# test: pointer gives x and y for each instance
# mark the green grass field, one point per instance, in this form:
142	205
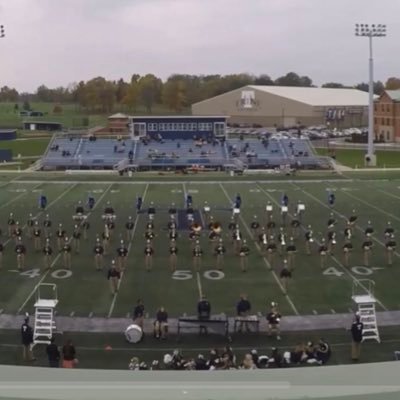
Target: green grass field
354	158
84	291
26	147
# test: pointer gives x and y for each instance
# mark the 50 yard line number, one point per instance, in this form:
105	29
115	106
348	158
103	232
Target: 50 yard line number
184	275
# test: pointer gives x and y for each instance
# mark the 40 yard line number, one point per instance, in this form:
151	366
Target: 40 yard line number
57	274
358	270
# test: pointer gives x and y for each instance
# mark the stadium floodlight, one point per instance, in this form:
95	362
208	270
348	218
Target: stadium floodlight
2	32
371	31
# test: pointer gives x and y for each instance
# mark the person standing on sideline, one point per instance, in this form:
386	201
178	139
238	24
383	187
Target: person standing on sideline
27	340
138	313
243	309
53	354
203	312
69	355
356	335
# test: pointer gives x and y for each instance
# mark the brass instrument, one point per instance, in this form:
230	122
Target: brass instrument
195	227
216	228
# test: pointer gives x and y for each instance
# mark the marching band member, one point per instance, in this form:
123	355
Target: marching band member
295	224
271	225
47	254
30	223
353	220
284	213
369	230
66	249
323	252
113	277
263	239
291	251
17	232
331	241
47	226
255	227
20	251
269	208
122	256
347	232
11	225
151	211
301	208
331	221
206	210
285	276
148	256
129	229
281	240
173	255
237	239
367	249
347	249
106	239
37	236
389	231
76	235
390	249
331	199
220	252
172	210
309	239
271	250
197	255
98	251
60	233
244	253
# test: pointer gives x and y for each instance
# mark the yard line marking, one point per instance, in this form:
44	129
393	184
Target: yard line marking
72	313
59	254
19	196
199	284
91	314
314	312
351	310
353	278
344	217
388	193
333	311
41	212
114	300
269	267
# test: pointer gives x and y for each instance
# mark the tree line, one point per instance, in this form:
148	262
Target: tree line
176	93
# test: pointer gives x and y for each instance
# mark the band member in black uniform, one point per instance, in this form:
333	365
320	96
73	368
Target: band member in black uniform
47	254
148	255
331	241
66	250
291	251
271	251
85	228
309	239
389	231
17	232
197	256
37	233
30	223
220	251
263	239
331	221
353	220
60	233
76	237
122	256
271	225
255	227
111	227
244	254
172	223
113	277
281	240
237	239
390	249
369	230
285	276
151	211
11	224
173	235
232	224
106	239
129	229
98	251
47	226
295	224
173	255
367	249
20	251
347	249
172	210
323	253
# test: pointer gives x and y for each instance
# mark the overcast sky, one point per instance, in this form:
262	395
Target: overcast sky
57	42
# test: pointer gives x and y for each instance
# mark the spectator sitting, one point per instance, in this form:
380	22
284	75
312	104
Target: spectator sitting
201	363
248	362
276	358
69	355
323	352
53	354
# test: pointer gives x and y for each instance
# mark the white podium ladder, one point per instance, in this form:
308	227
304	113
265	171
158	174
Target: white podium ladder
45	324
363	297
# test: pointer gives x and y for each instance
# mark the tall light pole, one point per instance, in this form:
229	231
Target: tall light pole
371	31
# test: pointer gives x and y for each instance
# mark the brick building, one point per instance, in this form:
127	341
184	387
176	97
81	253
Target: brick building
118	123
387	116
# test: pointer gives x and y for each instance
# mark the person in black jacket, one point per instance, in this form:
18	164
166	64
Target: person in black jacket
357	335
53	354
27	340
138	313
203	312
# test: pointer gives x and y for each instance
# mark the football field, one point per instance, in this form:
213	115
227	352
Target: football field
83	291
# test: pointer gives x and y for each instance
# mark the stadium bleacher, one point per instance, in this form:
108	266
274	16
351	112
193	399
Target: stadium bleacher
111	153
